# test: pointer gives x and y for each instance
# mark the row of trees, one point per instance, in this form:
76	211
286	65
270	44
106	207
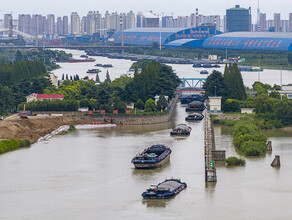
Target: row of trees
155	79
13	73
230	85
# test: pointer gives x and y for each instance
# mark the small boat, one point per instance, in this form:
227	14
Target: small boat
216	66
152	157
84	56
165	190
93	71
181	129
195	106
195	117
204	72
107	65
98	64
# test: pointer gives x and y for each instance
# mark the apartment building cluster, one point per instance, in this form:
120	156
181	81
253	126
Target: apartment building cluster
108	23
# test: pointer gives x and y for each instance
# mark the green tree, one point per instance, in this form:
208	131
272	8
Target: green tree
97	78
215	83
107	77
150	106
140	104
162	102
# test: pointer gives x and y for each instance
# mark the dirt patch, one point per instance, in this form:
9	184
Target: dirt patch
34	128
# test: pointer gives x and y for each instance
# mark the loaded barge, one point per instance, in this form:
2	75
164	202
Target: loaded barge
165	190
152	157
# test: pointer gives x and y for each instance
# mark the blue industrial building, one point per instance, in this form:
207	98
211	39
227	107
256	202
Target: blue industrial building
276	41
146	36
205	37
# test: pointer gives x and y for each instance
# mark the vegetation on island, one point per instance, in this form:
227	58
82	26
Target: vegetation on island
248	138
10	145
234	161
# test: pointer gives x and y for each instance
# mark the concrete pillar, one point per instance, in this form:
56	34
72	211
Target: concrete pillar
276	161
269	146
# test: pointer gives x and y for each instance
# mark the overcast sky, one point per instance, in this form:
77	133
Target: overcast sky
178	7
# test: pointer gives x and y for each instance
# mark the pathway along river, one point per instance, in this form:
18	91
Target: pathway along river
87	174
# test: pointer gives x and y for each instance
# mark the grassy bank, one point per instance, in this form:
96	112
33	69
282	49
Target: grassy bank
10	145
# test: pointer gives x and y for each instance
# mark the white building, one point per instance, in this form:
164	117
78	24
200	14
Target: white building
215	104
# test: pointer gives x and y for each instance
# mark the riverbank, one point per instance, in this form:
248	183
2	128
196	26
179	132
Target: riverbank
36	127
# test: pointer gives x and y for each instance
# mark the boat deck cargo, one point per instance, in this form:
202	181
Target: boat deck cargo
195	106
165	190
152	157
250	68
195	117
181	129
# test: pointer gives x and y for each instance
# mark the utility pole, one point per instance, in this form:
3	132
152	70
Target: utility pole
281	81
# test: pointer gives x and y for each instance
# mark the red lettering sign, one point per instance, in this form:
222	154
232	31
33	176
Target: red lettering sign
102	112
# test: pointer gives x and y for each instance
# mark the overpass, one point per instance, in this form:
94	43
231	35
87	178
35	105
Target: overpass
16	32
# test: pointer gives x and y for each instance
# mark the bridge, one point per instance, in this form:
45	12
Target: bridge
16	32
192	82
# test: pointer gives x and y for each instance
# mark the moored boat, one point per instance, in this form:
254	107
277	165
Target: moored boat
181	129
152	157
107	65
195	117
165	190
195	106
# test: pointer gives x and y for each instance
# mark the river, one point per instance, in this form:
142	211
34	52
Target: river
87	174
269	76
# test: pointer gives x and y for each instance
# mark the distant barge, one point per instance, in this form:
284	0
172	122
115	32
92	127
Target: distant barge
152	157
165	190
72	60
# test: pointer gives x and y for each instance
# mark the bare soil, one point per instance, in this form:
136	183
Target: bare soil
35	127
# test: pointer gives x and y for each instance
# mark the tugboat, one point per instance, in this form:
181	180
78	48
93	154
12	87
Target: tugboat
195	117
152	157
165	190
195	106
181	129
93	71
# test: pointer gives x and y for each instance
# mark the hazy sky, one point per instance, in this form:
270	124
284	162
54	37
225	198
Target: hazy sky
178	7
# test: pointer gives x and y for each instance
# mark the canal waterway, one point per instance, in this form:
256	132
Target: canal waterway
87	174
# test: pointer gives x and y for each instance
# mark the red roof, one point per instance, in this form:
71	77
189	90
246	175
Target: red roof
49	96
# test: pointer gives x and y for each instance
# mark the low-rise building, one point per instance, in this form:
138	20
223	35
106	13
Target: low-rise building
287	90
40	97
246	110
215	104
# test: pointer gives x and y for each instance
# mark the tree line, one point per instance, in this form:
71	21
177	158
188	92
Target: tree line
155	79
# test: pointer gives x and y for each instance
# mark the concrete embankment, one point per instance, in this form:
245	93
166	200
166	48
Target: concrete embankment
36	127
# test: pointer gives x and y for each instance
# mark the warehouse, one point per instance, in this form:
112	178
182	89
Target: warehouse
147	36
276	41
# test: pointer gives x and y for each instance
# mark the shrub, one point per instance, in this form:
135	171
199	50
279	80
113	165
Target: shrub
234	161
248	138
9	145
71	127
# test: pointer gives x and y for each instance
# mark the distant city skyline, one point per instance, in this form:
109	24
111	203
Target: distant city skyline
177	8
